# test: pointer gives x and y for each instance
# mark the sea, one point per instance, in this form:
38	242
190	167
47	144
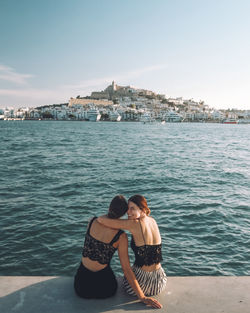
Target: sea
56	175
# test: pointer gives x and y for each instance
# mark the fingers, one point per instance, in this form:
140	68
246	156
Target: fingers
157	304
153	302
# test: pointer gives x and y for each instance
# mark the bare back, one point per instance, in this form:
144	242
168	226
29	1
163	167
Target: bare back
146	232
103	234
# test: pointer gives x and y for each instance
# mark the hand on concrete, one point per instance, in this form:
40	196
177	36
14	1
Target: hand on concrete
152	302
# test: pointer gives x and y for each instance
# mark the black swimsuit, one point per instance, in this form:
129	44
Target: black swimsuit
97	250
146	254
100	284
151	282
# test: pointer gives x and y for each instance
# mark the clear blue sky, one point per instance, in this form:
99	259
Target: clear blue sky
51	50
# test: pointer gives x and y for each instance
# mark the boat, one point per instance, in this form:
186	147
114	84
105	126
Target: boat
230	121
93	115
114	116
173	117
244	121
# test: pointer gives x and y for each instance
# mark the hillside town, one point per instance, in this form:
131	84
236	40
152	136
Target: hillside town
125	103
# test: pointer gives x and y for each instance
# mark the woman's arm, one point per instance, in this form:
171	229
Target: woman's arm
117	223
129	274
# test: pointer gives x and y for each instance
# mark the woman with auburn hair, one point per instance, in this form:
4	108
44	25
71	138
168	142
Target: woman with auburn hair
94	277
146	245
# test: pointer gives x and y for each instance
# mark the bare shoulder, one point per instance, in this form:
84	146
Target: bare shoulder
135	226
151	218
152	221
152	225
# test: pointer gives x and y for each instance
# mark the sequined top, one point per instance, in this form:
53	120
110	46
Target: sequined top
97	250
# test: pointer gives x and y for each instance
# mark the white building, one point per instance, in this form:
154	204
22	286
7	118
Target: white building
217	115
34	113
9	113
176	101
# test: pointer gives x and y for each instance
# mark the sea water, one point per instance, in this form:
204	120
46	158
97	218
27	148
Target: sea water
54	176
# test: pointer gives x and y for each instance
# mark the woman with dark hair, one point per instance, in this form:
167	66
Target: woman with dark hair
94	277
146	245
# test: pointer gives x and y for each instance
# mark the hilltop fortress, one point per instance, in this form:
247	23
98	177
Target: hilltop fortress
113	93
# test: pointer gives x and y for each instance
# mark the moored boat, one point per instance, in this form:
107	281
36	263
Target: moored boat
244	121
114	116
230	121
93	115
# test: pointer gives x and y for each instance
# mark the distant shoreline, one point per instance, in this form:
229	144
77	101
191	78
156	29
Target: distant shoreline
124	121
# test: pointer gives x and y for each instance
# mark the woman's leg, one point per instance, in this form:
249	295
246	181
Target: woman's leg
151	283
107	283
97	285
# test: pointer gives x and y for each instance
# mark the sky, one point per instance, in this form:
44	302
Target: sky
51	50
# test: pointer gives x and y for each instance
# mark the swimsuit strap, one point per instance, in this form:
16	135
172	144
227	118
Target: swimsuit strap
90	224
116	237
142	233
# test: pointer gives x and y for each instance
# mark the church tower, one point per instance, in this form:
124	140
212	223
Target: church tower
113	86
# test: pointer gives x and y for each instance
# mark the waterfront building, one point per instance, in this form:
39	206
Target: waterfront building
189	116
9	113
34	114
201	116
217	115
147	117
61	114
22	113
161	115
172	116
130	114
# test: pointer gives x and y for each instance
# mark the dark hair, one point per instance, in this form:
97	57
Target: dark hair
118	207
141	202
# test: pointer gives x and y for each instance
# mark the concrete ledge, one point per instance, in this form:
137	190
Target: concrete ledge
183	295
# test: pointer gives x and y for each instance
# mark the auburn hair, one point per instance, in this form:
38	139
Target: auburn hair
141	202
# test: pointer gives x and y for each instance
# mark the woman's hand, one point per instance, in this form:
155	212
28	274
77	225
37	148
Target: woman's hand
152	302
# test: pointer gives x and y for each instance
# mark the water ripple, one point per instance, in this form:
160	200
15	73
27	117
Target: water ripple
194	176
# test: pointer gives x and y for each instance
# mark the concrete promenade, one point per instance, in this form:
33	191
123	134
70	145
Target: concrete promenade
200	294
